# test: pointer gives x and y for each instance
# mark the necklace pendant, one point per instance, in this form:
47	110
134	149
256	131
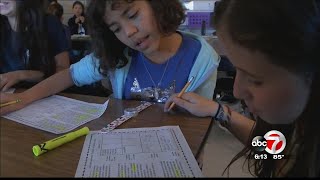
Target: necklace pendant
156	93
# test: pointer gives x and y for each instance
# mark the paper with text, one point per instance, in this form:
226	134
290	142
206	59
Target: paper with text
57	114
137	152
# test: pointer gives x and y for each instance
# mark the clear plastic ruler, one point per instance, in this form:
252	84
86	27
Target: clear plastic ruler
114	124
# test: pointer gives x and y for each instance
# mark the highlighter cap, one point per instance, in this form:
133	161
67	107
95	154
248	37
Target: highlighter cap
36	150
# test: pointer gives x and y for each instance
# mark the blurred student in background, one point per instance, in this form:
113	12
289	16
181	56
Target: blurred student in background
47	3
77	23
33	45
56	9
78	26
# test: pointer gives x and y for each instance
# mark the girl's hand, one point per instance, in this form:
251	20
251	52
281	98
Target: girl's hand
77	20
6	97
195	104
82	19
9	79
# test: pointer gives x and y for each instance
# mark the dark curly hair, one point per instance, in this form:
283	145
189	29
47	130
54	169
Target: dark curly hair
168	14
287	31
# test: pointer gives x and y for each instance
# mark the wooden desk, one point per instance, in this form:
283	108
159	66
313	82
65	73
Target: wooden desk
17	140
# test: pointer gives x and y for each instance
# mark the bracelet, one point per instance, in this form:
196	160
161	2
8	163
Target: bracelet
223	117
219	108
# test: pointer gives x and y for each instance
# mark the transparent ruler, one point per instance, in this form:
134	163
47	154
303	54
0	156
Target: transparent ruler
129	113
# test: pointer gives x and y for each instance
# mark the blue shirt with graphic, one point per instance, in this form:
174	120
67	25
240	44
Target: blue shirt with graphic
169	77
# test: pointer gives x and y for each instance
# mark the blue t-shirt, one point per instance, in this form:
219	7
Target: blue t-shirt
144	77
10	59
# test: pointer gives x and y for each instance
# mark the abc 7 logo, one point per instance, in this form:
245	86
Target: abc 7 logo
273	142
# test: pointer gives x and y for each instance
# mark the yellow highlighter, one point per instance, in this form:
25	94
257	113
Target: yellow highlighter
56	142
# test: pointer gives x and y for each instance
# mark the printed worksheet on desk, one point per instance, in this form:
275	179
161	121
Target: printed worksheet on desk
137	152
57	114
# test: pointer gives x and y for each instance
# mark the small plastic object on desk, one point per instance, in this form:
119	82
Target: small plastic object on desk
132	112
56	142
128	113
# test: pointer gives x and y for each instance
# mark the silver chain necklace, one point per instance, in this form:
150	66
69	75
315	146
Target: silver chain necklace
156	89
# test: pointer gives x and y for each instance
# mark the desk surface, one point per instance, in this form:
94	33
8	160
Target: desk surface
16	141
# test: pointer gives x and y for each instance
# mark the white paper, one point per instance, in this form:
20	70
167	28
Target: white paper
10	90
58	114
137	152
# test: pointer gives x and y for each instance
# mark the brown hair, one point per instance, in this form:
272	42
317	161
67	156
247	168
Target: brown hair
287	31
169	15
55	9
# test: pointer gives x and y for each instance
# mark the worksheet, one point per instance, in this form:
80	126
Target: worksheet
57	114
137	152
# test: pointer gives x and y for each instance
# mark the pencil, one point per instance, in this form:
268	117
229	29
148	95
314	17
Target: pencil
9	103
182	91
